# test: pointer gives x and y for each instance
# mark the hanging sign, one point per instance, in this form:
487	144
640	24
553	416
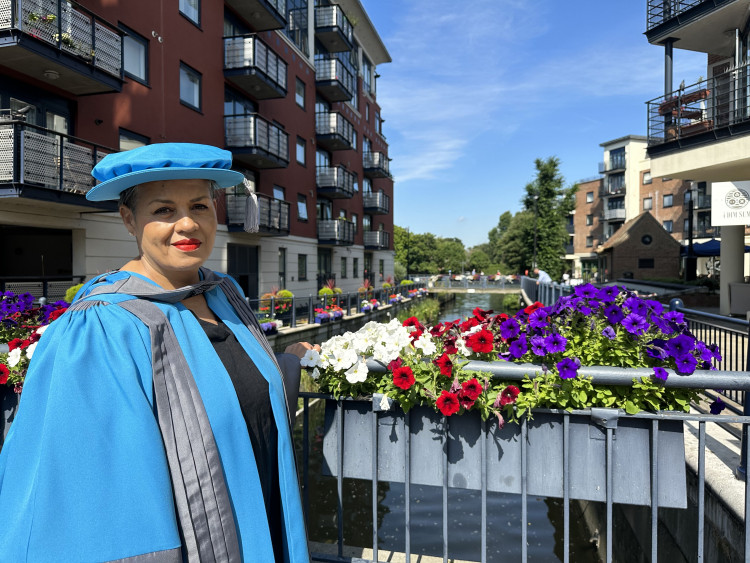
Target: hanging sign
730	203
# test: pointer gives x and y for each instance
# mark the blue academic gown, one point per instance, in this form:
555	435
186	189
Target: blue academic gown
83	471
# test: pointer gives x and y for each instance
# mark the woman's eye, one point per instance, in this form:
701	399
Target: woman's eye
200	206
162	211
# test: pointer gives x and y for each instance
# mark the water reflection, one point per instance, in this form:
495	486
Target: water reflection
465	303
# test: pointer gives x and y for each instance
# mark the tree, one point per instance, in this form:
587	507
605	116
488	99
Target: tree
478	260
496	234
451	255
425	253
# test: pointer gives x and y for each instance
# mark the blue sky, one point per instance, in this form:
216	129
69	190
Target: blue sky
478	89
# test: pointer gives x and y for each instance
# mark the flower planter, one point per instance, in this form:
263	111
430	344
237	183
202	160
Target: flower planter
8	406
544	453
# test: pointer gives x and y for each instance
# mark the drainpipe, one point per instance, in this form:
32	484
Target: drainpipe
668	71
732	262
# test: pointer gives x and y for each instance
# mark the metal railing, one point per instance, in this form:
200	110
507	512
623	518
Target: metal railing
705	106
336	177
472	282
617	163
705	231
376	160
376	202
251	130
333	16
68	26
248	51
377	239
273	214
608	189
34	155
333	123
335	231
701	201
332	69
660	11
660	473
613	214
51	288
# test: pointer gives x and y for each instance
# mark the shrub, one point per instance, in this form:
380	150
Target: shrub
406	282
71	292
386	285
325	291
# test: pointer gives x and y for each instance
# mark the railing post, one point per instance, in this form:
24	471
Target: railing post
741	472
675	304
311	310
293	323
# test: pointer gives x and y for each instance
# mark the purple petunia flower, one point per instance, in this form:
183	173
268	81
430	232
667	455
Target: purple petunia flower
656	349
715	349
538	346
717	406
539	318
674	317
608	294
518	347
635	324
704	352
609	332
655	307
555	342
680	345
662	324
583	308
586	290
567	368
686	364
509	328
661	373
614	314
636	306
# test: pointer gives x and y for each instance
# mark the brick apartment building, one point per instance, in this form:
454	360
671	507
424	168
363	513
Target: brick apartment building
288	86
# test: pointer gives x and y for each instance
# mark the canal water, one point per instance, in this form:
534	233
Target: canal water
544	525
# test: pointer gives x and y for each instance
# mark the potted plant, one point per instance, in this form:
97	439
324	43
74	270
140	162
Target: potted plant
425	371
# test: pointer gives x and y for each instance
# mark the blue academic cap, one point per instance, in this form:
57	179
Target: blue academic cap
161	161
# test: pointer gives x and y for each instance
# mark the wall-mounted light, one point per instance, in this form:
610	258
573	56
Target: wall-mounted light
50	74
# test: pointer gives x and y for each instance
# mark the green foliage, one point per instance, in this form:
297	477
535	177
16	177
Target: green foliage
427	310
478	260
406	282
325	291
338	290
386	285
511	302
71	292
426	253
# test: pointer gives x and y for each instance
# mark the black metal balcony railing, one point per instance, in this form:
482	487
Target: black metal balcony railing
704	231
273	214
612	189
720	102
253	66
376	203
701	201
256	142
660	11
380	240
333	29
335	232
334	131
333	79
263	14
614	163
77	40
35	156
617	214
334	181
569	248
375	165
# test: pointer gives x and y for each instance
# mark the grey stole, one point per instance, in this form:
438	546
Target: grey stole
201	498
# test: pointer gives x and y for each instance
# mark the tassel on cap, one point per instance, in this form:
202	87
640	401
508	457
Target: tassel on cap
252	221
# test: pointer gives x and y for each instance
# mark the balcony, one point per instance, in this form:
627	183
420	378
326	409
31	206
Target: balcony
252	66
375	165
334	182
704	231
376	203
333	80
569	248
614	214
614	165
263	15
377	240
334	132
701	201
697	25
61	43
717	108
336	232
256	142
40	164
333	29
612	189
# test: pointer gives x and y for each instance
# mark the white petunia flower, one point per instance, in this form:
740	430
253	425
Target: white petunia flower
357	373
461	347
426	344
311	359
14	356
41	329
315	373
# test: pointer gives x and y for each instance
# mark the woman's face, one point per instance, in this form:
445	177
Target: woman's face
174	222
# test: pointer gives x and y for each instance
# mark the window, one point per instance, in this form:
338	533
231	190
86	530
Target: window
301	145
134	55
342	213
190	87
301	207
278	193
589	197
366	75
367	112
354	140
282	268
58	123
366	185
589	220
668	226
299	94
355	184
589	241
130	140
343	267
648	203
355	267
301	267
647	177
645	263
355	220
686	226
191	9
667	200
381	268
366	222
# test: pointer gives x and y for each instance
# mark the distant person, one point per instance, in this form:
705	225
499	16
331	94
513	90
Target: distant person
543	277
566	278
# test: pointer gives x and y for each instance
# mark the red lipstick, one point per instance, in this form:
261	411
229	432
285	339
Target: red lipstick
187	244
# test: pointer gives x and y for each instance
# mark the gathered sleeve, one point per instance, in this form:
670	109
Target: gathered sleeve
83	473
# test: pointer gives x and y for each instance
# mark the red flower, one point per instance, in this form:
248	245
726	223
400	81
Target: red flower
412	321
415	335
54	315
533	307
438	330
481	314
403	377
471	389
25	343
395	364
481	342
509	395
465	402
448	403
449	345
469	324
4	373
445	364
15	343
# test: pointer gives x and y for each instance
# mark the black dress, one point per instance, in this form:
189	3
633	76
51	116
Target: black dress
254	399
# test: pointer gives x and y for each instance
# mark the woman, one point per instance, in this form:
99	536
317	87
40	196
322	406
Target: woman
154	424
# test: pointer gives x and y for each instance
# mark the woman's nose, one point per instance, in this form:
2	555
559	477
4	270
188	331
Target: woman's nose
186	223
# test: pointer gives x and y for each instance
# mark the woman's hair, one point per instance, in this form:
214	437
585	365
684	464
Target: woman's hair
128	197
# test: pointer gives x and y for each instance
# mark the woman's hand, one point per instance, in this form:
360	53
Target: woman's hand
299	348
